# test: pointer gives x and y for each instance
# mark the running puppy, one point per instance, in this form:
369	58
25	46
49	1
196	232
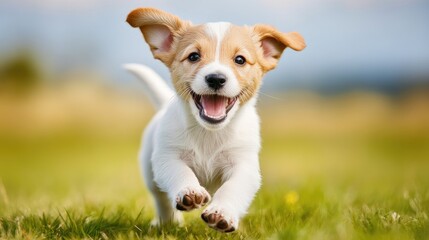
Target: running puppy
202	145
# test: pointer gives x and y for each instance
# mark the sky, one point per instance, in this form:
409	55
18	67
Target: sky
349	37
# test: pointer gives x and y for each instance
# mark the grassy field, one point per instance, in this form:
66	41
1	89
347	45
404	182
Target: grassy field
354	166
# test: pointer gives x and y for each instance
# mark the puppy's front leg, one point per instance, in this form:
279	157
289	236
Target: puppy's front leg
230	202
177	179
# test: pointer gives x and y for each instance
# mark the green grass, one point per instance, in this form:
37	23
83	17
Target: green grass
78	186
324	177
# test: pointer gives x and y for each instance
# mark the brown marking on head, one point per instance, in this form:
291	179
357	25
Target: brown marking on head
238	42
182	71
172	40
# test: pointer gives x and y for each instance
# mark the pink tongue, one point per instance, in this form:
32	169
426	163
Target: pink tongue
214	106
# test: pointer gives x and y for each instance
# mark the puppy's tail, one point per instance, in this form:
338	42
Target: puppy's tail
155	87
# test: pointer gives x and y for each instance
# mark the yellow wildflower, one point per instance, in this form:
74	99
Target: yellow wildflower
291	198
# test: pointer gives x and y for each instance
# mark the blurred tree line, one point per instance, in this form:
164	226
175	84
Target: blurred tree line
20	73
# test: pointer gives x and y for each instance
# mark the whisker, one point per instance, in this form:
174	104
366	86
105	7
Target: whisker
270	96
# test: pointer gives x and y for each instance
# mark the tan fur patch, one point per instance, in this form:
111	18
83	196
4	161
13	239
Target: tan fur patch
238	41
183	72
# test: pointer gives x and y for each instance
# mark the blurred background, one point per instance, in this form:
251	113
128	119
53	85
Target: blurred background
349	112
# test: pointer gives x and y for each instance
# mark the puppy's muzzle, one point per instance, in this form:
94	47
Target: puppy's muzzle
215	81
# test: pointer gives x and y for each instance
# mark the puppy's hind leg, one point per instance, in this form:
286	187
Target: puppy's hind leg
165	212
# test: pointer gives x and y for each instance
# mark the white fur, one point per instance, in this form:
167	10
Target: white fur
217	31
181	153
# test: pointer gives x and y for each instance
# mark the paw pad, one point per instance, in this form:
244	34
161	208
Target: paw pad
218	222
188	200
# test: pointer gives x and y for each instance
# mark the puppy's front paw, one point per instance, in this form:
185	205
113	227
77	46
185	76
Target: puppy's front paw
191	198
220	219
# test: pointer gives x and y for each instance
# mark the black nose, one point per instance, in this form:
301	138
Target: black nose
216	80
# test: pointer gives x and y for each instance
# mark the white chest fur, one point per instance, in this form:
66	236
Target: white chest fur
208	153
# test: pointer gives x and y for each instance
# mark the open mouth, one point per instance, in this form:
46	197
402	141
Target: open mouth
213	108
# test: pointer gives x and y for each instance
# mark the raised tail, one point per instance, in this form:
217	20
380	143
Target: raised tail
155	87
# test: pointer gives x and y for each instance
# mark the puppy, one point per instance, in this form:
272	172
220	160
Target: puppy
202	146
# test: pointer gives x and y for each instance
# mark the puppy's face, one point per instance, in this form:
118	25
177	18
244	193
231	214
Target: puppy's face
215	70
215	67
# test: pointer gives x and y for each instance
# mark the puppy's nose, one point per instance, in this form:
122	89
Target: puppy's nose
215	80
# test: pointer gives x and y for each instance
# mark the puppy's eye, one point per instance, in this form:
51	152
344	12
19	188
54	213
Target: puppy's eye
193	57
240	60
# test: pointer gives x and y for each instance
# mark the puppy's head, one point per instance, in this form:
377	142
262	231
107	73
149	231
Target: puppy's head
215	67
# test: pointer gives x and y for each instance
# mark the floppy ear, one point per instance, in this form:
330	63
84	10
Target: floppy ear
273	43
160	30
